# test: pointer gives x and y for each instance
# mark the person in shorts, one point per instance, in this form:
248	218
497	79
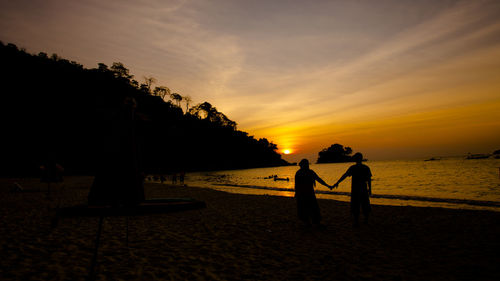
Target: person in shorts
361	188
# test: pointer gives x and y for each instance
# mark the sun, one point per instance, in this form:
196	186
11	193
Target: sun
287	151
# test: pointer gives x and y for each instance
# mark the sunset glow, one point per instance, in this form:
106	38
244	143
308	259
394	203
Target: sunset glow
392	79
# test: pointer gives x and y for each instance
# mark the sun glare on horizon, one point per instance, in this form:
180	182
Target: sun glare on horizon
287	151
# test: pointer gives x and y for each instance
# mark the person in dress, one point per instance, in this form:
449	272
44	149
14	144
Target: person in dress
307	205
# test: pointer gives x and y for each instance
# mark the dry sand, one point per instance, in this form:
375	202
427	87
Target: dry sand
241	237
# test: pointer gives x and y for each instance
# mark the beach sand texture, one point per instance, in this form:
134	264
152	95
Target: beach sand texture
240	237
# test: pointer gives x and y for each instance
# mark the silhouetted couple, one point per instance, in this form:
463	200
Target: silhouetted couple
307	205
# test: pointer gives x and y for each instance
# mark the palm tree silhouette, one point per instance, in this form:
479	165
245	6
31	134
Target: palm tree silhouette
177	98
162	92
187	100
148	81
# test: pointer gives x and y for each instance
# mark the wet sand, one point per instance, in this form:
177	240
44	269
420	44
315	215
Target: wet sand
241	237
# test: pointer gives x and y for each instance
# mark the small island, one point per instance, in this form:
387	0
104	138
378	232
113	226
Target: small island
336	153
496	154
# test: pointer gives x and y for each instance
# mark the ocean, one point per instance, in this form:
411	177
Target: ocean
453	182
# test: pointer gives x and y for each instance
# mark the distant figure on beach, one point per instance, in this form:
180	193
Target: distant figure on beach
51	171
361	187
307	205
181	177
174	178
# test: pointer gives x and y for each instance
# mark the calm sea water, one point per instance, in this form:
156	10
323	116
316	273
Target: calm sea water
449	182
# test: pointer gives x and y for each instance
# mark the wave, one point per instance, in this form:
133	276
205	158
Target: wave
482	203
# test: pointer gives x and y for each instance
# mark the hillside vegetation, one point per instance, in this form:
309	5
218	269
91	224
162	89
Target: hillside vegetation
52	107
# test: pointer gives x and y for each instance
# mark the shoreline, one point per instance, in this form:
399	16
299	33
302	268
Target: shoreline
253	237
381	199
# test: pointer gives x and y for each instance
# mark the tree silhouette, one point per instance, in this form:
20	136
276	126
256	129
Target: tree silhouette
75	117
148	81
102	67
177	98
187	100
206	111
120	71
162	92
203	111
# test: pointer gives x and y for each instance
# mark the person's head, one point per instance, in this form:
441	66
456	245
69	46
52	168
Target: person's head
357	157
304	164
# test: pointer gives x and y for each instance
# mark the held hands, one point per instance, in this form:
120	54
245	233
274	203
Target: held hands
334	186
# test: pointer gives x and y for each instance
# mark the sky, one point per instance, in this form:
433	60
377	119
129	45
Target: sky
392	79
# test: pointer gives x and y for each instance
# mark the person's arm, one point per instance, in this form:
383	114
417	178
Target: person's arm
369	182
322	181
345	175
369	186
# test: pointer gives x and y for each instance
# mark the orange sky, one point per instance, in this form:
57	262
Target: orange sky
392	79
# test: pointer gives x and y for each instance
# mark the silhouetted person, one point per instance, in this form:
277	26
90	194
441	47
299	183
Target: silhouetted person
181	177
118	180
51	171
174	178
361	187
307	205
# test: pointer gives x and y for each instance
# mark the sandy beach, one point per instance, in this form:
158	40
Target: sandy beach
240	237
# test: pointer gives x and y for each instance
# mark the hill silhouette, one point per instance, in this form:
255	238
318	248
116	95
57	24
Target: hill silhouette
55	108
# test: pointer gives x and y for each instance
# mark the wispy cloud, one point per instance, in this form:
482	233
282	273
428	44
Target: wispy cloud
298	72
449	37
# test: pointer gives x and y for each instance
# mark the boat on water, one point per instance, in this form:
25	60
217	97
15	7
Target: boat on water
477	156
276	178
432	159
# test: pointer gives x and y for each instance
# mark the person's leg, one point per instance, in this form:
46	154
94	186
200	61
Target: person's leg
302	211
366	207
315	212
355	209
365	204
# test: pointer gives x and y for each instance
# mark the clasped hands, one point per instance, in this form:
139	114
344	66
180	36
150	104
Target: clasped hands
333	186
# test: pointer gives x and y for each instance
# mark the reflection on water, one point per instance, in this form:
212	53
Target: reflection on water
450	182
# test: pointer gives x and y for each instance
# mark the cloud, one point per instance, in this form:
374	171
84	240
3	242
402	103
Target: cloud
286	70
446	38
159	38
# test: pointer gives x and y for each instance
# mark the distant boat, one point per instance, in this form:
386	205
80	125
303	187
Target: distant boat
477	156
432	159
276	178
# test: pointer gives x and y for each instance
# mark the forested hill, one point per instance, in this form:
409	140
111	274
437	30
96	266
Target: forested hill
52	107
